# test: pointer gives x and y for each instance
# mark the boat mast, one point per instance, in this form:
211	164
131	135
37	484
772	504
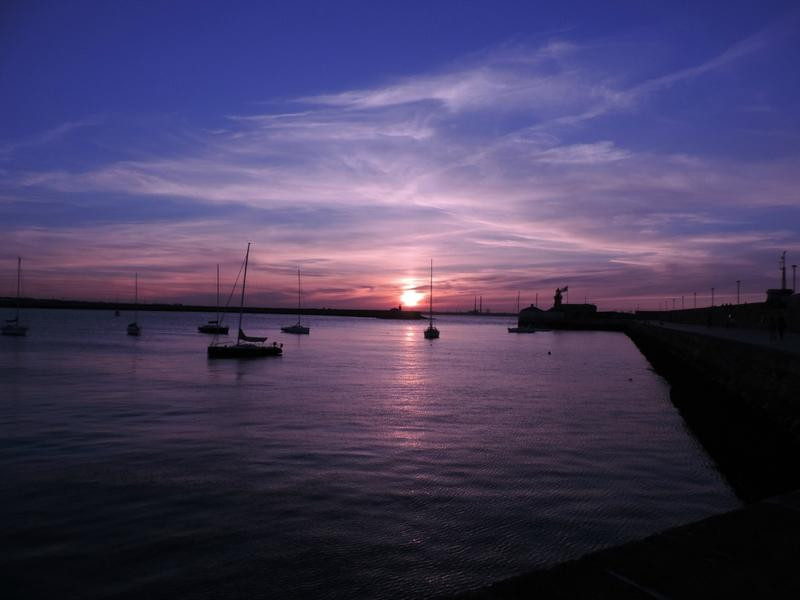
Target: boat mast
244	283
517	300
431	296
136	297
298	295
19	269
217	293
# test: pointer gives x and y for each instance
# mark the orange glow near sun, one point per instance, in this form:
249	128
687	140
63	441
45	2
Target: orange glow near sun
411	298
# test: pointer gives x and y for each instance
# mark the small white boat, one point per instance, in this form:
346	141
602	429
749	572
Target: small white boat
431	333
297	327
13	326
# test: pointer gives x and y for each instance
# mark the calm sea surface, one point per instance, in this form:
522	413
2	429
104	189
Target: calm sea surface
365	462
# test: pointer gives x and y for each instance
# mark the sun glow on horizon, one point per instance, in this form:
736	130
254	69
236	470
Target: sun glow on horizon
411	298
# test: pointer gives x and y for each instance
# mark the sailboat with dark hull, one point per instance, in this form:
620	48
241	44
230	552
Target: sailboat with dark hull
246	346
298	327
134	328
13	326
431	333
214	326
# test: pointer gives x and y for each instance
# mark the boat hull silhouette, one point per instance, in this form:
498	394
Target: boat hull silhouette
213	329
244	351
297	328
431	333
15	330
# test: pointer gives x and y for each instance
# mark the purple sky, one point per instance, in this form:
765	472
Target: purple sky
635	153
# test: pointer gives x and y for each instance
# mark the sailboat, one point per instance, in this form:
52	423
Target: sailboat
526	328
214	326
12	326
133	328
246	346
431	333
297	327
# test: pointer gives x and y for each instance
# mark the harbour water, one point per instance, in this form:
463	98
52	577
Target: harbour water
365	462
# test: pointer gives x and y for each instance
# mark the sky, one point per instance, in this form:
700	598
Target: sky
634	151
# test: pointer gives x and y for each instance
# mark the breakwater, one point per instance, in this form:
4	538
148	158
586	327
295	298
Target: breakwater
764	377
737	392
164	307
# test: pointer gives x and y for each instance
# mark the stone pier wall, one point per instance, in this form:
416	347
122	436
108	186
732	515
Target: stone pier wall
765	379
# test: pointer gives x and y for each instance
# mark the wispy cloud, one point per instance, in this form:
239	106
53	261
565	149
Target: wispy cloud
49	136
499	79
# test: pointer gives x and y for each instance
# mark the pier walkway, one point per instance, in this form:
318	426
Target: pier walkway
747	553
756	337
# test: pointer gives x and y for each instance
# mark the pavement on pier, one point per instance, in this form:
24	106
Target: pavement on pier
751	552
756	337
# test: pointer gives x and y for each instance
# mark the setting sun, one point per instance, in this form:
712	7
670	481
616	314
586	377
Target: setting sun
411	298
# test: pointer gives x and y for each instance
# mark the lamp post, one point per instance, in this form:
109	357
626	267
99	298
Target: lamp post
712	296
738	287
794	278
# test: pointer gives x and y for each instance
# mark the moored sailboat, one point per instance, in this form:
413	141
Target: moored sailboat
518	329
13	326
246	346
431	333
214	326
134	328
297	327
